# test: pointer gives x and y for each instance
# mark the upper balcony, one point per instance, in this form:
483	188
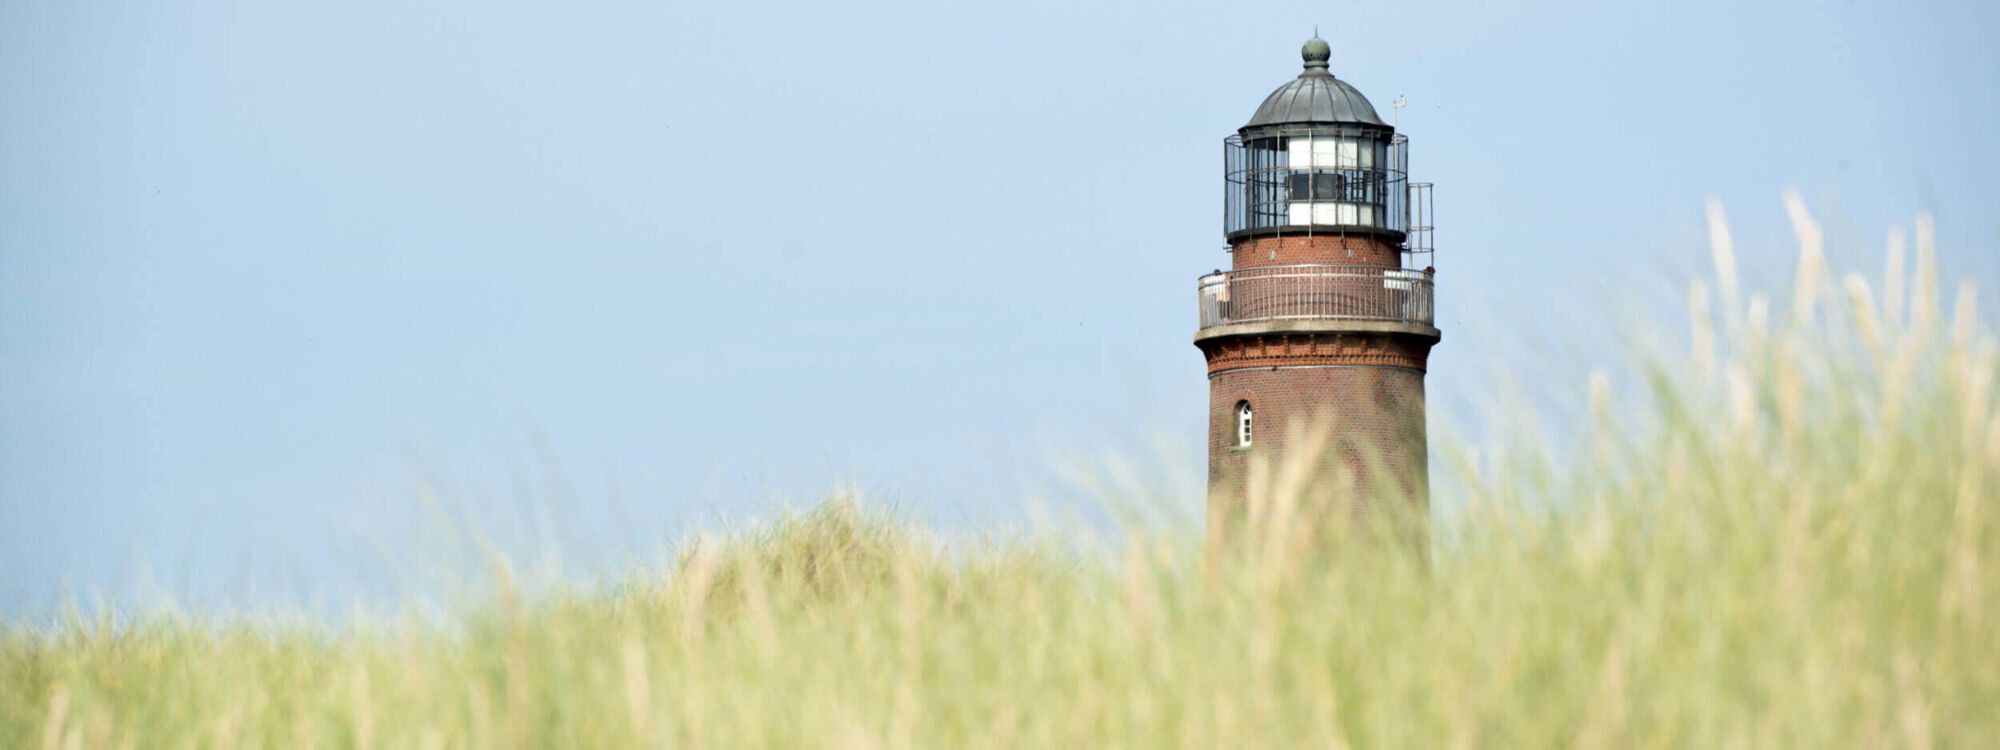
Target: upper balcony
1317	294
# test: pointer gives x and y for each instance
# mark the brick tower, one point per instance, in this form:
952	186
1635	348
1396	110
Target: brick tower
1318	333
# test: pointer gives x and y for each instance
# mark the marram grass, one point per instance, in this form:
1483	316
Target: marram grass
1786	539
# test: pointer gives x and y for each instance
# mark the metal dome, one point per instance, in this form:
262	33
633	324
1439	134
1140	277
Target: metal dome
1315	96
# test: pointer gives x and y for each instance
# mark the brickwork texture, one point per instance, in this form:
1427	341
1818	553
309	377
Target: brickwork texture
1349	403
1323	249
1372	448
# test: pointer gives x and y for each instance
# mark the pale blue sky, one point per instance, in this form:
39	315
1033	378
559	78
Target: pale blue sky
600	271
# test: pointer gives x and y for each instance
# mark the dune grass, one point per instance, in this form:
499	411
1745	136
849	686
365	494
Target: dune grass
1785	538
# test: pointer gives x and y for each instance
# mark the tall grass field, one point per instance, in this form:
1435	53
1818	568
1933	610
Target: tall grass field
1780	531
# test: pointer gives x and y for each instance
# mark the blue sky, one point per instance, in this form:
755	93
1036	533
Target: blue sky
282	284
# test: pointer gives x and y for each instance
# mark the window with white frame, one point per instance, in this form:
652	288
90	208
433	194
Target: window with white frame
1243	424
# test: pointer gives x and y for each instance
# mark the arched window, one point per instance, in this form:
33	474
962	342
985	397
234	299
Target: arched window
1242	424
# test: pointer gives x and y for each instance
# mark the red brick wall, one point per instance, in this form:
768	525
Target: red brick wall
1268	350
1350	404
1355	250
1367	410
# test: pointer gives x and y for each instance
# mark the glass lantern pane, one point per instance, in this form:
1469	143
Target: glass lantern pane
1300	151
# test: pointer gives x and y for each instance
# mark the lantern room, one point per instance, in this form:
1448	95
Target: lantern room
1316	159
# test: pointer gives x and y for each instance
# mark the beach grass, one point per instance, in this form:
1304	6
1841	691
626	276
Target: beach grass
1783	535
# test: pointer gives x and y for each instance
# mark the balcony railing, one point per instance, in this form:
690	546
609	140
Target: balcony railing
1316	292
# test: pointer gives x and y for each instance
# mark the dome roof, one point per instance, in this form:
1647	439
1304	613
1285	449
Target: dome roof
1315	96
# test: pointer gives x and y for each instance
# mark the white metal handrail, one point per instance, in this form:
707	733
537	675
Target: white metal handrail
1316	292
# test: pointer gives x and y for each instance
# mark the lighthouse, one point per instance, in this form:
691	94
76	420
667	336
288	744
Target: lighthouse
1318	333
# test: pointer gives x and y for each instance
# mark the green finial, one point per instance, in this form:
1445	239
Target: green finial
1316	52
